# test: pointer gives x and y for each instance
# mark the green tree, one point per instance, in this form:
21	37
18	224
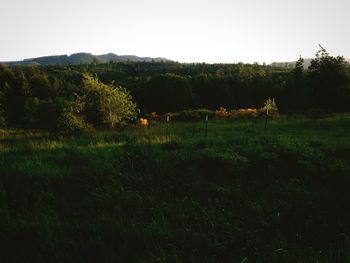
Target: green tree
297	93
107	105
330	81
270	107
16	93
270	110
39	84
299	67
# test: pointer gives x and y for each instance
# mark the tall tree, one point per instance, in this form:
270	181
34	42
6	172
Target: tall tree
297	92
330	81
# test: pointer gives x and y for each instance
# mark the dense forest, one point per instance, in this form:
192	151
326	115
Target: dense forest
36	96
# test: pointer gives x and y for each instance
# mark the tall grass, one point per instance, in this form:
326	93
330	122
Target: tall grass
168	194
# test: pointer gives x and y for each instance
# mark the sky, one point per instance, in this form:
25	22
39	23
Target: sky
213	31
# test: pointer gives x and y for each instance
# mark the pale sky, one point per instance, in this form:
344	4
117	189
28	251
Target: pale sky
181	30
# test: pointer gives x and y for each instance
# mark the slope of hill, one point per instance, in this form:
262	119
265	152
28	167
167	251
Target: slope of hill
117	58
83	58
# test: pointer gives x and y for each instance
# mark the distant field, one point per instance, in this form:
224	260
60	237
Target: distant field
179	193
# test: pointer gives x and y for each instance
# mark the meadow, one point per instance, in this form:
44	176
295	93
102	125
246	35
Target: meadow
174	192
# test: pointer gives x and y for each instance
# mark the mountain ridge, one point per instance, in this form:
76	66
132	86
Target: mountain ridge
83	58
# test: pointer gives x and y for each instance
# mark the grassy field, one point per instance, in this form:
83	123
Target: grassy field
169	193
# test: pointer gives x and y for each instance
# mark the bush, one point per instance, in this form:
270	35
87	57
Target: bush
245	113
240	113
222	113
70	123
106	105
270	108
56	116
191	115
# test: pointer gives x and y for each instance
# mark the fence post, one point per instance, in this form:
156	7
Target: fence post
206	125
167	126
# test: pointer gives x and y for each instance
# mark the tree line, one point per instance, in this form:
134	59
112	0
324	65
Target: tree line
91	94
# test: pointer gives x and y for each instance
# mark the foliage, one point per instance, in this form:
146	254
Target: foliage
240	113
245	113
60	116
70	121
173	87
330	81
143	122
222	113
106	105
166	92
270	108
16	93
44	114
297	94
191	115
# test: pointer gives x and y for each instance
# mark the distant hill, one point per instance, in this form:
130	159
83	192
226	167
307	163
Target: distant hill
307	63
83	58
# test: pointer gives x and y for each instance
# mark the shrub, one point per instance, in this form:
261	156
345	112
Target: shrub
240	113
70	121
56	116
222	113
191	115
270	108
143	122
246	113
70	124
106	105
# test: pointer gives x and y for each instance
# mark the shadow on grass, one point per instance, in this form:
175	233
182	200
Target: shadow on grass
113	197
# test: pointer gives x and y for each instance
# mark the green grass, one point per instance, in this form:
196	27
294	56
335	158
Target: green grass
169	193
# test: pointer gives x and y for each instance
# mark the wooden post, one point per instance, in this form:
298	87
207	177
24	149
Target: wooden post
206	125
167	126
